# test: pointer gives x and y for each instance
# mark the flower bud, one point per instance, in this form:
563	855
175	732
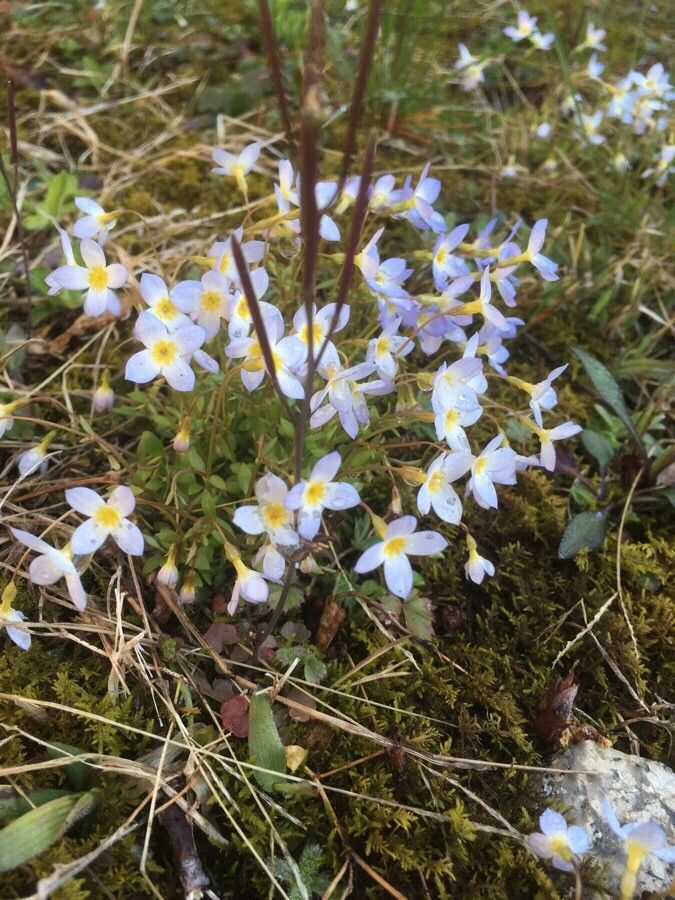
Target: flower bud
103	397
35	458
168	574
187	591
181	443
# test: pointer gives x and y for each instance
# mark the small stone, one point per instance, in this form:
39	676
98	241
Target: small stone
637	788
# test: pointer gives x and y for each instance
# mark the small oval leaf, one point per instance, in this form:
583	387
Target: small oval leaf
587	529
264	744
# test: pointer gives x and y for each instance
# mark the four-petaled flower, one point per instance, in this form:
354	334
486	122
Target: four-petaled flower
437	492
105	517
236	165
563	844
51	565
96	223
165	354
494	465
320	492
270	515
400	540
96	277
641	839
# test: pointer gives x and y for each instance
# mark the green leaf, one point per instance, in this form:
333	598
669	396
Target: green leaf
599	446
208	503
419	617
13	804
149	447
264	744
315	670
606	385
77	773
587	529
35	831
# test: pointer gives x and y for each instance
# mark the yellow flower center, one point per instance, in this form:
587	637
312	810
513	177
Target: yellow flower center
441	255
107	517
436	481
451	418
315	492
480	465
165	310
382	345
98	278
211	301
241	309
274	514
394	546
317	333
225	263
560	847
164	351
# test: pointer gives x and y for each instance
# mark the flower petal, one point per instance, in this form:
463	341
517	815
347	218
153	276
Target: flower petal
142	367
123	500
424	543
92	254
551	822
84	500
398	575
179	375
88	537
249	520
43	571
117	275
370	559
30	540
128	538
341	495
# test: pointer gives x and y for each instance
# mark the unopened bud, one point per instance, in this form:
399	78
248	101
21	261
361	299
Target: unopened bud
103	397
168	574
181	443
187	591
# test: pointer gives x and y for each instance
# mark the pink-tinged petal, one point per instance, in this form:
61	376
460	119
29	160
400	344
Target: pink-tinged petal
117	275
425	543
129	539
76	591
189	338
179	375
72	277
142	367
92	254
30	540
84	500
88	537
551	822
341	495
152	288
86	227
370	559
402	526
123	500
248	518
96	302
44	571
327	467
398	575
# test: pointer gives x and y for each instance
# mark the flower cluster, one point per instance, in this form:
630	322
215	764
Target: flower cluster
440	319
638	99
565	845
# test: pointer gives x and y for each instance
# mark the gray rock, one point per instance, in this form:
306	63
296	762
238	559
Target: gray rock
637	788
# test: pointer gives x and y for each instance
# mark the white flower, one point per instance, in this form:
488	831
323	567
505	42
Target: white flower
542	41
240	314
444	264
156	294
96	223
288	354
470	69
594	68
98	279
594	37
6	419
450	424
270	515
249	584
165	354
33	460
236	165
457	386
103	397
641	839
51	565
181	441
558	841
223	257
476	567
543	130
346	397
525	26
545	266
105	517
320	492
20	636
590	125
187	591
206	301
495	465
548	435
437	491
385	351
400	540
273	563
321	322
54	287
168	573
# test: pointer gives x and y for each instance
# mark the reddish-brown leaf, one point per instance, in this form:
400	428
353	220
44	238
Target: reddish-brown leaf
234	714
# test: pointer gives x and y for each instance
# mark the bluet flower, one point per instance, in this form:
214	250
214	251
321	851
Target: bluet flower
104	518
96	277
154	291
477	566
20	636
207	301
51	565
494	465
96	222
103	397
641	838
320	492
437	492
400	540
165	352
236	165
563	844
269	515
525	25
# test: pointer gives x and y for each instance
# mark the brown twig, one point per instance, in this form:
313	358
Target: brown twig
274	61
190	870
